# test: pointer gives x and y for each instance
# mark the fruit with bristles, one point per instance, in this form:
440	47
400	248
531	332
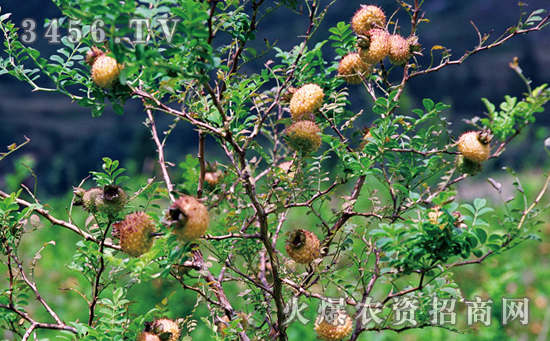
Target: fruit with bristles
105	69
368	17
352	68
400	51
303	136
335	330
135	233
91	200
166	329
114	200
303	246
306	101
188	218
376	48
475	145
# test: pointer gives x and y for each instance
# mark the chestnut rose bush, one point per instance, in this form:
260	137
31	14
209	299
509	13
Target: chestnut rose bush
306	207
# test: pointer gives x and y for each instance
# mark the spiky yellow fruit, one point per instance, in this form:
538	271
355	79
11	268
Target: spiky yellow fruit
352	68
400	50
305	101
147	336
166	329
368	17
378	46
188	217
475	146
105	71
303	136
335	330
303	246
135	233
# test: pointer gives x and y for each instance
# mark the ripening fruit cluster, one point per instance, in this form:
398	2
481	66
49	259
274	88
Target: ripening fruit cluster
187	217
304	134
474	148
374	44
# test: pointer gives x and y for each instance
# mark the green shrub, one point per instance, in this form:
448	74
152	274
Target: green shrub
390	230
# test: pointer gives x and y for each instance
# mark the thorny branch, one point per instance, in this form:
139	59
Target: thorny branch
97	287
160	150
59	325
217	289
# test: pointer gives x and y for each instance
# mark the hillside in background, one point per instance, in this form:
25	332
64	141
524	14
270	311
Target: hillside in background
66	142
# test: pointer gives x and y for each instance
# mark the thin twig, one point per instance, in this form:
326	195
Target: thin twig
60	222
202	163
160	151
96	285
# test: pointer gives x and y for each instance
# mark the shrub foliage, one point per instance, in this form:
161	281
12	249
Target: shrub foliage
380	200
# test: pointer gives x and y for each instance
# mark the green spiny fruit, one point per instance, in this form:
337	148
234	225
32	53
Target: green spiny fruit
135	233
114	200
304	136
303	246
91	200
110	199
188	217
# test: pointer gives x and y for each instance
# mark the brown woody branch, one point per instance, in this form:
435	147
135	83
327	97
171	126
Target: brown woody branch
480	47
217	289
160	151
